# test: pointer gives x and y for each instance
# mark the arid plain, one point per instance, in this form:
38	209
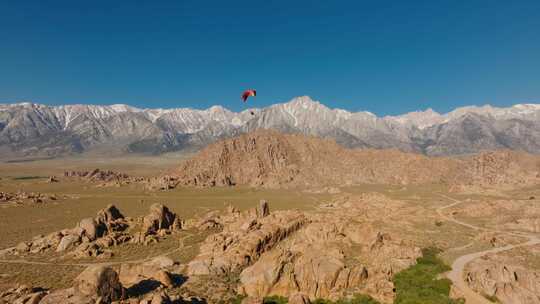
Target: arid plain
177	228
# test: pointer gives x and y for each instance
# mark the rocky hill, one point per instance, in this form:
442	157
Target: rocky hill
28	129
269	158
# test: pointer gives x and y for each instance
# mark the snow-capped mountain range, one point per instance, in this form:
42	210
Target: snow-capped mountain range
28	129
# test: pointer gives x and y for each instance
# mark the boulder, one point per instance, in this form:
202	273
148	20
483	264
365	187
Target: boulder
75	231
132	274
199	266
67	242
99	281
33	298
22	294
108	214
85	250
160	217
22	247
164	278
68	296
263	209
91	229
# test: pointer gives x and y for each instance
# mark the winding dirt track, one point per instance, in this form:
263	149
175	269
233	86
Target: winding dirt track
456	274
21	261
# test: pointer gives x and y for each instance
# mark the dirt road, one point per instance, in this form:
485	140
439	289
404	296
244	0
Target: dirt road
138	261
456	274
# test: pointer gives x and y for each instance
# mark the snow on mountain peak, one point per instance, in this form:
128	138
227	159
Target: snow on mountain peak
303	102
527	107
419	119
124	108
217	109
302	110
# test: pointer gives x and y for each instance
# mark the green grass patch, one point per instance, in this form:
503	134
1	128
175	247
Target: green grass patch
275	300
419	284
492	298
236	300
357	299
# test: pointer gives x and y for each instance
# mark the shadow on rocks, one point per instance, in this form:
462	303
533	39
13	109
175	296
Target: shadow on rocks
143	287
178	279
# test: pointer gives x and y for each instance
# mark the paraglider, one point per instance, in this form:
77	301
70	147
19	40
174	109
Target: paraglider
247	94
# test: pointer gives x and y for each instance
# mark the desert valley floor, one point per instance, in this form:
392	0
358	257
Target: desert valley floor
242	243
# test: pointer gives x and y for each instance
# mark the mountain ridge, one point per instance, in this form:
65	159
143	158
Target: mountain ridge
303	101
29	129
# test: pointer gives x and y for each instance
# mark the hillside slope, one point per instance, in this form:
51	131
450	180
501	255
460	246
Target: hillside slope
269	158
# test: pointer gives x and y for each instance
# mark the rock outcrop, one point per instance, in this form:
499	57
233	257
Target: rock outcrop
22	295
100	281
503	278
23	197
93	237
500	168
242	242
315	262
154	270
96	284
160	217
329	254
105	177
102	284
271	159
97	175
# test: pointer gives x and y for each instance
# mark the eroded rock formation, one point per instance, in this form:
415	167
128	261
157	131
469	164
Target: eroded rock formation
242	242
503	278
328	254
105	177
271	159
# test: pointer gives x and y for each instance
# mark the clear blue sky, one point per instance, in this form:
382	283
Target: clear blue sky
386	57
